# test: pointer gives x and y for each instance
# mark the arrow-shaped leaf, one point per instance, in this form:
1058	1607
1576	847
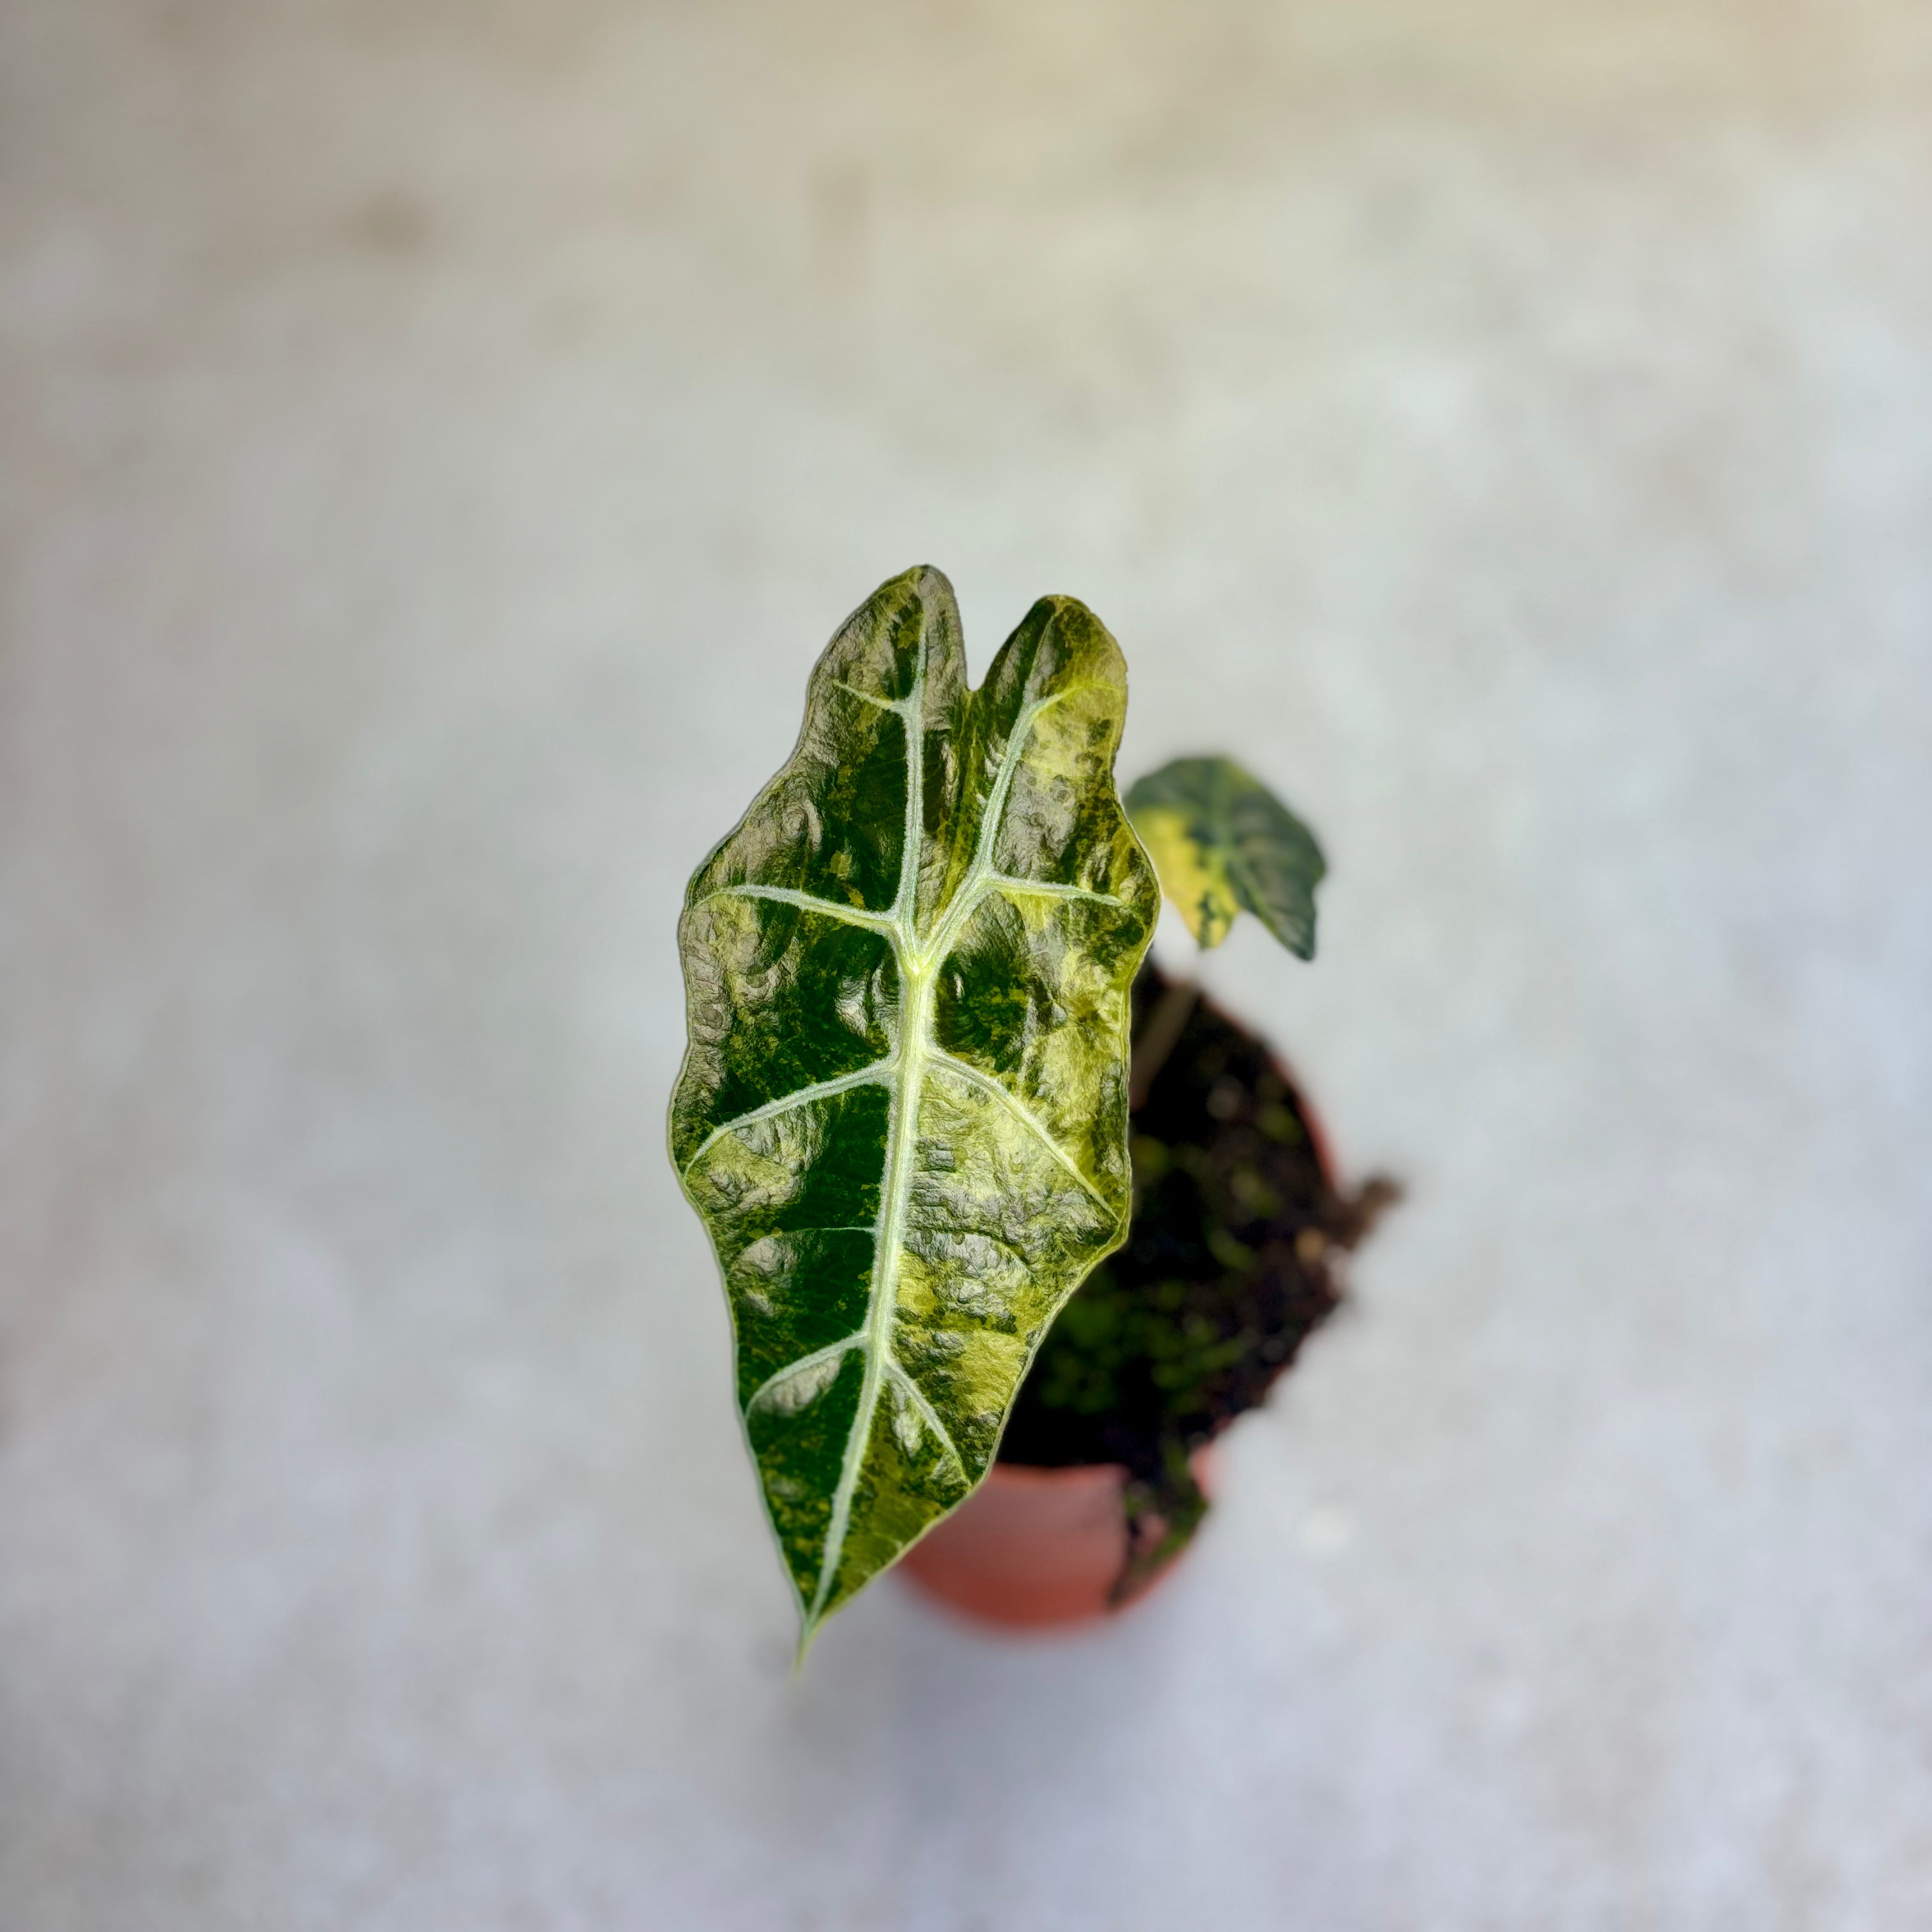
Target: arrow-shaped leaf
1223	842
902	1113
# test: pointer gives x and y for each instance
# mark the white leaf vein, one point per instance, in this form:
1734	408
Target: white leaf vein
866	1076
947	1062
917	1396
852	915
804	1365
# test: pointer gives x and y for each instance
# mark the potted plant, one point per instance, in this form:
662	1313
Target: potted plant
919	1026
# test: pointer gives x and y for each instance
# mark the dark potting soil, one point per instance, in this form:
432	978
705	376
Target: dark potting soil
1233	1258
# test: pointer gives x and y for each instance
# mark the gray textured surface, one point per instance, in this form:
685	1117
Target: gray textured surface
436	440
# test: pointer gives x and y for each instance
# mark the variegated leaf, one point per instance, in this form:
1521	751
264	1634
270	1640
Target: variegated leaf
1223	843
902	1113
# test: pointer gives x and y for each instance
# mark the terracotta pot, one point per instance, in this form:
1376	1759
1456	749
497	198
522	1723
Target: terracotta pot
1034	1549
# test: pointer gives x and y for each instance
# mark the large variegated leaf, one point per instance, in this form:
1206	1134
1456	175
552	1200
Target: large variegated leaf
903	1111
1223	843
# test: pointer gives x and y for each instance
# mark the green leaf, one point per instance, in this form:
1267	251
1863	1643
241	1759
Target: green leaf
902	1113
1223	842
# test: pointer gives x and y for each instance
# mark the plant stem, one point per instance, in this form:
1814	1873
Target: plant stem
1159	1038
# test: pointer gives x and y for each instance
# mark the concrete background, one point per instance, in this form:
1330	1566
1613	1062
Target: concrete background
437	438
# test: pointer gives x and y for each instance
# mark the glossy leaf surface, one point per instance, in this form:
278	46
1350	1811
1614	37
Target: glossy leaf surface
902	1113
1223	843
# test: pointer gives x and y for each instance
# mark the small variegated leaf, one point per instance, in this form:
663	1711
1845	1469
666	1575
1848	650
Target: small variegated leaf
902	1113
1223	842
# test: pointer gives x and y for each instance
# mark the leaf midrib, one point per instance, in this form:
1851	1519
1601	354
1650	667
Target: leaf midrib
915	998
